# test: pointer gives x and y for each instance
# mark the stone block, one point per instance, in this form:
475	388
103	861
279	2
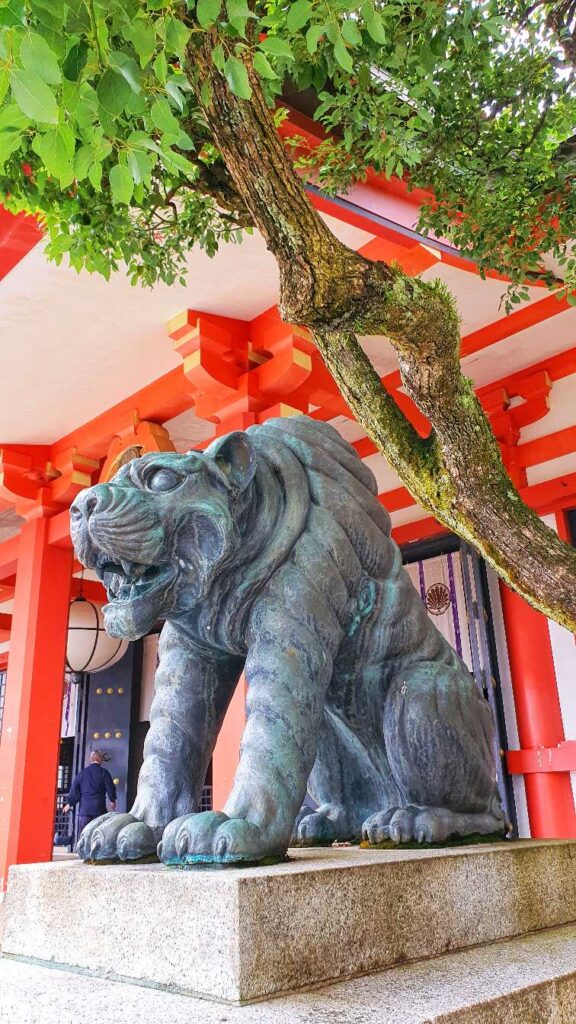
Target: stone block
241	935
526	980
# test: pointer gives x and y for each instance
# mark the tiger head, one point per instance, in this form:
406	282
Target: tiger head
161	531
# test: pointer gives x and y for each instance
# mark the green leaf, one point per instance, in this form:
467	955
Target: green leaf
34	97
313	36
140	166
136	105
37	56
237	78
4	83
206	94
50	13
374	23
571	298
54	151
176	162
75	61
163	118
9	143
177	36
277	47
342	55
208	12
12	118
425	115
298	15
160	66
142	35
127	67
95	176
68	138
82	161
238	14
174	92
351	32
12	13
262	66
218	57
113	92
121	183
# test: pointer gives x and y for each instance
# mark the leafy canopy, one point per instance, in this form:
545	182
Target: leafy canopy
104	130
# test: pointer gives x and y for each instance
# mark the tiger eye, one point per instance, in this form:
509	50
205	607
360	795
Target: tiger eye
163	479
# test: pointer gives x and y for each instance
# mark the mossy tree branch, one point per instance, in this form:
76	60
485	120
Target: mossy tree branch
457	474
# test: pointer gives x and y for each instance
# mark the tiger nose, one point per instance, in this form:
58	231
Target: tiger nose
93	499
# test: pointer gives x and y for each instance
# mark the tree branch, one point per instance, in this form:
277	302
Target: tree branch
458	473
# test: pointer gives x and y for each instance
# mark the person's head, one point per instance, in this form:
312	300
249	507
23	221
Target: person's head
96	757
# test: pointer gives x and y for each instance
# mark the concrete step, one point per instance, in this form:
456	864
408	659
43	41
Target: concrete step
245	934
527	980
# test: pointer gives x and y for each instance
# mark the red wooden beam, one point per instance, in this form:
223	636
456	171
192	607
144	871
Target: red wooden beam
18	235
551	495
59	530
7	587
552	446
561	758
9	557
506	326
420	529
396	499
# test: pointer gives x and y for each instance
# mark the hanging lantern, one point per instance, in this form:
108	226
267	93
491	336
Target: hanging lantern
89	648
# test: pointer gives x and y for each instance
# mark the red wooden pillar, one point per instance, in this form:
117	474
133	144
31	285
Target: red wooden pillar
548	793
30	739
227	750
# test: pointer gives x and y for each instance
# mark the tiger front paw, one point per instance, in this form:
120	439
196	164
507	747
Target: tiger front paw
114	838
211	837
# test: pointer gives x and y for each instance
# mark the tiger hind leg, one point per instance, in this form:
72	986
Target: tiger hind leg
349	780
438	734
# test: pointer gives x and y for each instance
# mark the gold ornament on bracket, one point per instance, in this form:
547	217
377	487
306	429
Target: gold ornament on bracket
142	436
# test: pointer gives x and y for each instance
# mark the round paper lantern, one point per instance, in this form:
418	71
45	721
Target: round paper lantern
89	648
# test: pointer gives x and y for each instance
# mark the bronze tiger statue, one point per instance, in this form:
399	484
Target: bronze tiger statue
269	553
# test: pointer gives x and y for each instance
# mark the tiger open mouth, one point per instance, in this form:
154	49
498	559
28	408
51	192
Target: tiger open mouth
126	581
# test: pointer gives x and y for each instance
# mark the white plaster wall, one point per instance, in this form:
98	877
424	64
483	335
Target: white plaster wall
149	662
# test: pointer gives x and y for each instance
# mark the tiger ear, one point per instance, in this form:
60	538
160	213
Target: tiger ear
235	457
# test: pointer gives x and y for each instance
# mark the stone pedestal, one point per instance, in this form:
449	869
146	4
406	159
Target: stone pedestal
239	935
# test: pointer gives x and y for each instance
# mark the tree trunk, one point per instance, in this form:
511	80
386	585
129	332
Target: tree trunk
457	473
